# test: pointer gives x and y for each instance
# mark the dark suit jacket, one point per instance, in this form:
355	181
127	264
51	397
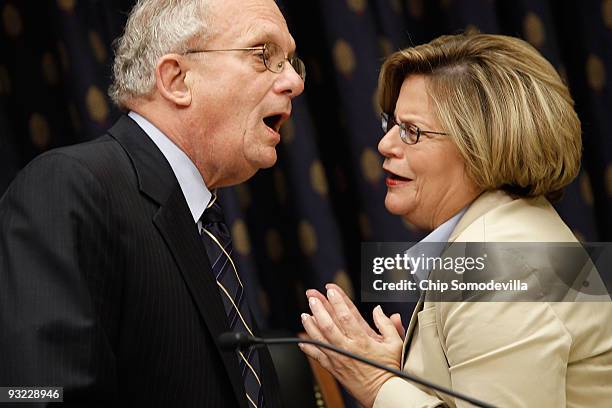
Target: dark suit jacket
105	287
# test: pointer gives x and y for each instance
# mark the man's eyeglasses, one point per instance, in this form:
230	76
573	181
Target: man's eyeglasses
272	56
409	134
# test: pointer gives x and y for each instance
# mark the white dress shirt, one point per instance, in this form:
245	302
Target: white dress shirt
189	178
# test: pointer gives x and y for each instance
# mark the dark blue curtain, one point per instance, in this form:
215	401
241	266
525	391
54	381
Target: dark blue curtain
300	224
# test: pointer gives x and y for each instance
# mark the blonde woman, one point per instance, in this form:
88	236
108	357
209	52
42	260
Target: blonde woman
481	134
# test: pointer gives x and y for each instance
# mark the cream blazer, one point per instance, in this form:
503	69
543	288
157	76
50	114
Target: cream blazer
522	354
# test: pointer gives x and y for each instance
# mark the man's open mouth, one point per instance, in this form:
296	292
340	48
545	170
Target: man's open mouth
274	122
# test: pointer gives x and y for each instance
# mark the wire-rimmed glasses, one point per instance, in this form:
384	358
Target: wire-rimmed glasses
409	133
272	55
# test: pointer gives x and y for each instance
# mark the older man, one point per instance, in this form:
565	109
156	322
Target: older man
116	274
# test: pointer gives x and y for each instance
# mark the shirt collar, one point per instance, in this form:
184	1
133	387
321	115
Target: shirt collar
434	244
444	231
189	178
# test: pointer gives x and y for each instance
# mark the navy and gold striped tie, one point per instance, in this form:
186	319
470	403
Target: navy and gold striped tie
218	244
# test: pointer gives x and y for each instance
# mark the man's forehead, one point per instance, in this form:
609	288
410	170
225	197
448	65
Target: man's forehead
243	11
269	32
254	20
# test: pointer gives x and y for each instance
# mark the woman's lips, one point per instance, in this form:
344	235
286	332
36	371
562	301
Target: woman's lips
394	181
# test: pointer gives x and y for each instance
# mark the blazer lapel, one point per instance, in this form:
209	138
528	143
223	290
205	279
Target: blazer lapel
410	330
175	224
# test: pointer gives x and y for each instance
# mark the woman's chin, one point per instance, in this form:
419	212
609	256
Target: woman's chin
397	206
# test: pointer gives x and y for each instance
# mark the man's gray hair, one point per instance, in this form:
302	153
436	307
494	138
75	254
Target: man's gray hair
154	28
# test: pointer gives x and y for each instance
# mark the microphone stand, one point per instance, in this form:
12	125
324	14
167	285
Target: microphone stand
240	340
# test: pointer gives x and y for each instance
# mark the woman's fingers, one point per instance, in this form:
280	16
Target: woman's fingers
345	318
364	325
330	310
384	324
325	324
311	328
397	322
315	293
314	352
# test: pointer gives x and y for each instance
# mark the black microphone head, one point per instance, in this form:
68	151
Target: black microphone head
233	340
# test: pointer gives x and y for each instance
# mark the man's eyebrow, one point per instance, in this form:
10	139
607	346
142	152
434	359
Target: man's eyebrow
256	36
259	38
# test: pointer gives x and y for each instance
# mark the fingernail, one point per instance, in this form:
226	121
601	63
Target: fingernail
379	307
304	316
331	293
312	301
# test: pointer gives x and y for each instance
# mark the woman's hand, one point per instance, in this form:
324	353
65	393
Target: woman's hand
335	320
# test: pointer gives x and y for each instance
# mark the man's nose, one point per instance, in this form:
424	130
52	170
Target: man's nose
290	82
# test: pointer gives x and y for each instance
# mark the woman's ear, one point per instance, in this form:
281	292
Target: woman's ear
170	77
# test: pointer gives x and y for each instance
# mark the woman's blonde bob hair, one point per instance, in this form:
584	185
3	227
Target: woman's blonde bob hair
503	105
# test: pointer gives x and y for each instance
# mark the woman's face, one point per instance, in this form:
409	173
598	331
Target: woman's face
426	182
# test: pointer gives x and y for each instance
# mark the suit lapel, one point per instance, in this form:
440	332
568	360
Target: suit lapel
410	330
154	174
175	224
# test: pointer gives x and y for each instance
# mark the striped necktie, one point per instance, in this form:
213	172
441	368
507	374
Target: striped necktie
218	244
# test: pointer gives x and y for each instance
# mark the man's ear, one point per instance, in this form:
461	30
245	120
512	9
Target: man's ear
170	80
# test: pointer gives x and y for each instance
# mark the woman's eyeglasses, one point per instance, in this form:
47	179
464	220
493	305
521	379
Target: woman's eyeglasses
409	134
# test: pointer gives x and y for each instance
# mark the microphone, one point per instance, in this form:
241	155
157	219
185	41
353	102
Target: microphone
231	341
